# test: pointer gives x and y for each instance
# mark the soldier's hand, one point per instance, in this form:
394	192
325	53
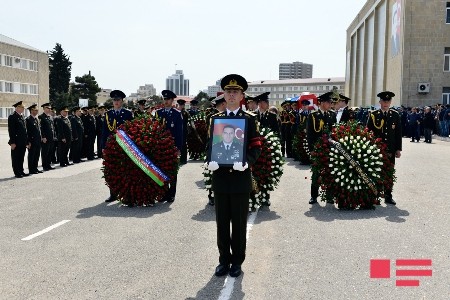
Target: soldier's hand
212	165
44	140
398	153
13	146
63	140
238	166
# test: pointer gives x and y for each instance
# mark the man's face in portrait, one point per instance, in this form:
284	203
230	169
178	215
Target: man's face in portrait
228	135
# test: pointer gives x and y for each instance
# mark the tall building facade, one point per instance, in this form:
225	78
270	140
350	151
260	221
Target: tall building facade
295	70
24	75
400	46
178	84
281	90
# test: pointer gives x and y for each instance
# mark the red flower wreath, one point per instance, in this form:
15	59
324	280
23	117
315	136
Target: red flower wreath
196	139
127	180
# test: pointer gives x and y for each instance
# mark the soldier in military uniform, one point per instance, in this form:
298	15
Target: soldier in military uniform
18	139
34	138
252	105
386	124
48	135
266	118
232	185
140	111
343	113
287	120
77	135
90	133
185	115
113	119
317	123
193	110
99	120
64	131
173	121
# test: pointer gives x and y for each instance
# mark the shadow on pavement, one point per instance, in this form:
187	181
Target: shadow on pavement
207	214
9	178
330	213
200	184
296	164
215	285
119	211
265	216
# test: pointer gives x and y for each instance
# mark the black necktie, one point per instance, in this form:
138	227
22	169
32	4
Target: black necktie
231	114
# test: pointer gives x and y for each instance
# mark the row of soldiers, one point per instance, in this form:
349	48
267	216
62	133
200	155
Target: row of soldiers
53	137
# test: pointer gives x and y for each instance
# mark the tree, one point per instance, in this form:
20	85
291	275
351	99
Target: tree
60	71
202	99
85	87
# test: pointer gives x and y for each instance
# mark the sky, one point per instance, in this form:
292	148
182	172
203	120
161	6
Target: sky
130	43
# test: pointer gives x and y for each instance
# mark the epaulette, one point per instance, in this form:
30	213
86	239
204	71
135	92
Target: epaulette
177	109
217	114
249	113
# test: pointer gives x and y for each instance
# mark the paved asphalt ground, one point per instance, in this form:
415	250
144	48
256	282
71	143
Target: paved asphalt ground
294	251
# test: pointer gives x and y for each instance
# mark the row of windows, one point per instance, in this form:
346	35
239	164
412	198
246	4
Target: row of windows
17	62
447	19
447	59
18	88
295	88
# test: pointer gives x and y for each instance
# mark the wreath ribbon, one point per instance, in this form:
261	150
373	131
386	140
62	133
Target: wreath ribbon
142	161
355	165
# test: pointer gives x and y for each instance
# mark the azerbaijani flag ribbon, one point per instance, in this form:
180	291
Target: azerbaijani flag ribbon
142	161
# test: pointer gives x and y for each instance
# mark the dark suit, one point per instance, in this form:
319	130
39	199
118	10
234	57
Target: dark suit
173	120
48	148
64	130
77	138
89	133
316	123
389	128
99	120
17	135
34	138
346	116
231	196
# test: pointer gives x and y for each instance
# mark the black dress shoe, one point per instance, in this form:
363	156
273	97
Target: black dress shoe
235	270
34	172
211	201
51	168
111	199
69	164
171	199
19	176
39	171
312	200
222	270
390	201
25	175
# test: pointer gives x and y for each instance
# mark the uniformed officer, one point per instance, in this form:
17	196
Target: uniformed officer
99	120
113	119
85	119
77	135
48	134
252	105
386	124
173	121
18	139
343	113
317	123
193	110
90	133
266	118
34	138
140	111
232	185
185	115
64	133
287	121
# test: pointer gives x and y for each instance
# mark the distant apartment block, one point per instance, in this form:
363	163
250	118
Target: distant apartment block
295	70
24	75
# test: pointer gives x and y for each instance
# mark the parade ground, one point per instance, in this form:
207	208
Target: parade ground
60	240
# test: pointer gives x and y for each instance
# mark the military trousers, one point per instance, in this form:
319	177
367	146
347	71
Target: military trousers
17	157
231	208
33	156
47	152
388	191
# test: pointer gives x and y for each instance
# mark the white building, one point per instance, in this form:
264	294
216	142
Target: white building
178	84
146	91
289	88
213	89
103	95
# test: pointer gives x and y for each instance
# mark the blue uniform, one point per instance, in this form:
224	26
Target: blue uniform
173	120
113	119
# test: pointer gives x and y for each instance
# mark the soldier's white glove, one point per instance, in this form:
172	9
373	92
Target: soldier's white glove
239	167
212	165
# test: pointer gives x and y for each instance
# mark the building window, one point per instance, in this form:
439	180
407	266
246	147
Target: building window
327	87
447	19
9	87
33	89
446	95
33	65
8	61
1	86
290	88
23	88
24	64
447	59
9	111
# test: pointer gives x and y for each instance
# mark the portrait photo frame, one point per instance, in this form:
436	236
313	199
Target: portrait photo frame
228	140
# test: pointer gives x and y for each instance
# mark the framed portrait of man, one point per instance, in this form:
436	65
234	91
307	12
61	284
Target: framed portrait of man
228	140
